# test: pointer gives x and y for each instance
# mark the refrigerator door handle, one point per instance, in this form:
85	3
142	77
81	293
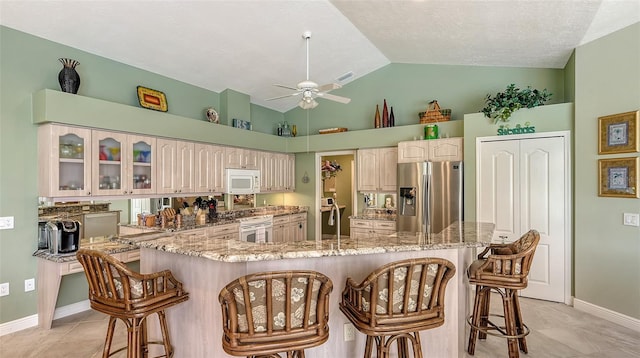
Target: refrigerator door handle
426	206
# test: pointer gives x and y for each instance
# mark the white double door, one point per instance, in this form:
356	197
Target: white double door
523	184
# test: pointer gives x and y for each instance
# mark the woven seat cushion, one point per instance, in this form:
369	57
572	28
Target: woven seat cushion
400	284
258	299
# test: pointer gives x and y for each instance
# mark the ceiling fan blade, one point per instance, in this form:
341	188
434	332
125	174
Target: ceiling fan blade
329	87
287	87
285	96
334	98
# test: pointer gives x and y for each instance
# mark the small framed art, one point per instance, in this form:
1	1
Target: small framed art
619	133
618	177
152	99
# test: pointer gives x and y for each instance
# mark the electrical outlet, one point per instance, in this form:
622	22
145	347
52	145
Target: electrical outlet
349	332
6	222
631	219
4	289
29	285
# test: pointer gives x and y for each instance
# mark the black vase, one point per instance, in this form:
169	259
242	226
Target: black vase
68	77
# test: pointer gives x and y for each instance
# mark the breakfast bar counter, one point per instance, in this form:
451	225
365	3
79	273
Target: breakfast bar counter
205	265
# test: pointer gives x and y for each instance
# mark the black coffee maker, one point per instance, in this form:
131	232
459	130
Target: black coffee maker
63	236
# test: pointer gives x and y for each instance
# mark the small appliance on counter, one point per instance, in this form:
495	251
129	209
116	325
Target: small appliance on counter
43	240
327	201
63	236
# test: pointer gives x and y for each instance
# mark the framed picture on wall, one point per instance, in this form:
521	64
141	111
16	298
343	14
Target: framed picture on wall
618	177
619	133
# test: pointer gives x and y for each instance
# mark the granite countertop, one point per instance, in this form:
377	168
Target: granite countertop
232	217
102	243
458	235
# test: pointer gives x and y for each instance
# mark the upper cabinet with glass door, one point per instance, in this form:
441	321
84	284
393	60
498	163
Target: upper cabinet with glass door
65	161
122	164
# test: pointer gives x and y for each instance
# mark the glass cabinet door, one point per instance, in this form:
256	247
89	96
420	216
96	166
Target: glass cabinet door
108	168
73	177
141	176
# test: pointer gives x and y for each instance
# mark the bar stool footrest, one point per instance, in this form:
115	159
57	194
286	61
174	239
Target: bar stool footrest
501	329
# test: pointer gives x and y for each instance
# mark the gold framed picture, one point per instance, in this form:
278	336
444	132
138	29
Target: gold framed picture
619	133
152	99
618	177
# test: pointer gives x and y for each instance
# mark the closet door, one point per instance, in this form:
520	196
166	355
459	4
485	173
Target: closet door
521	185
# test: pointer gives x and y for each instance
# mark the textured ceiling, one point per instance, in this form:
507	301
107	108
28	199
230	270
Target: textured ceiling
248	46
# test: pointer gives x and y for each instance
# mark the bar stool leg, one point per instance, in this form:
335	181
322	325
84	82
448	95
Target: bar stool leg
368	348
107	342
417	345
485	305
522	341
509	322
166	340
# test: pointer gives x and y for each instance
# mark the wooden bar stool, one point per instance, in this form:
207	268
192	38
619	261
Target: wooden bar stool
417	303
504	271
267	313
131	297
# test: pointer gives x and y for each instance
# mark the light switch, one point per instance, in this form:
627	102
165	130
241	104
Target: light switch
6	222
631	219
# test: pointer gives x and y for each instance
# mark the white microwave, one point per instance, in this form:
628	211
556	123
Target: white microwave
242	181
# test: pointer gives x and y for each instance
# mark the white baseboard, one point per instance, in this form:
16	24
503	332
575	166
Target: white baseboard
32	321
19	324
609	315
73	308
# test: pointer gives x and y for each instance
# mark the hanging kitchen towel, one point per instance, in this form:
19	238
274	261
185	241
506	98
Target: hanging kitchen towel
260	235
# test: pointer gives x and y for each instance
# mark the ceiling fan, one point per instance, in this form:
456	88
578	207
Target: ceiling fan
310	90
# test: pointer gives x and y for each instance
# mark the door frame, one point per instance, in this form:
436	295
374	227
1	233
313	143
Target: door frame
318	191
568	222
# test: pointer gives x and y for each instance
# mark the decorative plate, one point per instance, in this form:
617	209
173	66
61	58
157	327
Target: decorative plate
152	99
212	115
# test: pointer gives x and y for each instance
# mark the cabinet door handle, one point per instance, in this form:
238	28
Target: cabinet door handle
88	193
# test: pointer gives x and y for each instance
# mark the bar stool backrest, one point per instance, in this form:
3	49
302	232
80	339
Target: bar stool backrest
272	306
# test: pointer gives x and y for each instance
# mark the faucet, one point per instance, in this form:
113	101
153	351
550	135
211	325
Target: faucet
334	207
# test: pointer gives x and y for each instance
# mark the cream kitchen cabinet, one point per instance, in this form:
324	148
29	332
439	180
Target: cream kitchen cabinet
377	169
267	163
290	172
209	168
226	232
277	172
241	158
65	161
122	164
175	163
363	228
436	150
281	228
298	227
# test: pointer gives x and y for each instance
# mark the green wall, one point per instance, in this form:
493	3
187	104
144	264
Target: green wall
29	64
408	88
607	254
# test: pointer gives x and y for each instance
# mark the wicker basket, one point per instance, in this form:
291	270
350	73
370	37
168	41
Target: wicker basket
434	113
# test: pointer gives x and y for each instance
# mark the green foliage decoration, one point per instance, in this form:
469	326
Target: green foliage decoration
503	104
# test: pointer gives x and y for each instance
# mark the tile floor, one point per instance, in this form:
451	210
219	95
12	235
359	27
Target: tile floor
557	330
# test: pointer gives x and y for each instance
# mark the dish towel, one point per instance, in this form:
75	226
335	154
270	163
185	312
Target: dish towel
260	235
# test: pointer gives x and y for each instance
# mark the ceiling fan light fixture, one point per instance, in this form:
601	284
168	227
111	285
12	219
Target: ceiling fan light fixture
308	103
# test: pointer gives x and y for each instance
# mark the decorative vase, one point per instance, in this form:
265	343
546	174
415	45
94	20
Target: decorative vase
385	115
68	77
376	121
294	130
392	119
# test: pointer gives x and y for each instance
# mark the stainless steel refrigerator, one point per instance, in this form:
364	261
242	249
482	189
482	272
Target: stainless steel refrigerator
429	196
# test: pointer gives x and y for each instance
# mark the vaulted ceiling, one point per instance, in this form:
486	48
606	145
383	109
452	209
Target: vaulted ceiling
248	46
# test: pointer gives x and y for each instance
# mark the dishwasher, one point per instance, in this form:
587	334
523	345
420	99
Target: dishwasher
101	224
